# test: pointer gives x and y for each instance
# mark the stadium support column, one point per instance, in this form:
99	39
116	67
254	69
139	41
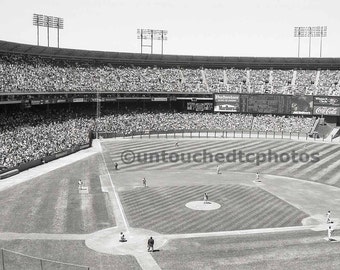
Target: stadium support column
98	112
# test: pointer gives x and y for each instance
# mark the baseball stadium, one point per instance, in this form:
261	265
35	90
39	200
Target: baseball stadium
114	160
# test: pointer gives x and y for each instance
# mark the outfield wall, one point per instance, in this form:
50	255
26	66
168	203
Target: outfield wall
28	165
173	134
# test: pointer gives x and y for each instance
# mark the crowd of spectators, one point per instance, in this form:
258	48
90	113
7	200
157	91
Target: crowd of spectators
24	73
277	123
135	122
328	83
32	136
165	121
27	136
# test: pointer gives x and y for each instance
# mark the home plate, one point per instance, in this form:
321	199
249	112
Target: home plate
204	206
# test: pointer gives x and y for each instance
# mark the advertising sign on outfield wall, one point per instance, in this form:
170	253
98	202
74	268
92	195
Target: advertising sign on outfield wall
302	104
163	99
199	107
327	101
326	110
227	103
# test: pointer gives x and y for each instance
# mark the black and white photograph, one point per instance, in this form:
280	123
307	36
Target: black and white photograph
169	135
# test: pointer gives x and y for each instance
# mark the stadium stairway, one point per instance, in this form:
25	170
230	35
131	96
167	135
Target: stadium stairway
334	133
325	130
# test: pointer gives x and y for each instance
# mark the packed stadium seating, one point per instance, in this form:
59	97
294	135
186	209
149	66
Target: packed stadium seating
31	74
27	136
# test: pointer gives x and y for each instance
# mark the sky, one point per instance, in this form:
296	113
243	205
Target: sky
255	28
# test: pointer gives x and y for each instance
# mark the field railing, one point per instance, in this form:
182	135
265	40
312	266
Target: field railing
15	260
173	134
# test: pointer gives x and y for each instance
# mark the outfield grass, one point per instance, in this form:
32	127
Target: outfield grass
324	171
51	203
273	251
74	252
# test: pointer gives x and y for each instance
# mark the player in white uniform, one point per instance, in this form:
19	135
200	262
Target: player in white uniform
205	198
257	179
328	215
218	169
80	184
329	233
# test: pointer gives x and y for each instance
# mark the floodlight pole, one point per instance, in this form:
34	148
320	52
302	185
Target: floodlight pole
58	37
58	24
151	41
162	40
48	22
299	47
48	34
152	35
323	34
141	41
321	44
38	34
309	31
310	39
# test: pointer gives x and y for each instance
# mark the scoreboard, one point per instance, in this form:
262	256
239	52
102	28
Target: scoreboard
276	104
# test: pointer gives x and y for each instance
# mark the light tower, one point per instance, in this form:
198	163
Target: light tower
310	31
48	22
151	34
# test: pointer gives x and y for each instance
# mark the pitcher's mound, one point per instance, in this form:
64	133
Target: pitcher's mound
200	205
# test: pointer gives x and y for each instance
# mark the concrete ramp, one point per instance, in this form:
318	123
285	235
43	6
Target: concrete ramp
333	133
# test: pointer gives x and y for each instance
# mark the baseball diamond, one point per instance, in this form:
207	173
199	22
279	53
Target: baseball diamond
220	154
255	222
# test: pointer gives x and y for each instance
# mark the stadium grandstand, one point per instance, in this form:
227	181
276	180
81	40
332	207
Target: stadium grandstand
157	93
90	107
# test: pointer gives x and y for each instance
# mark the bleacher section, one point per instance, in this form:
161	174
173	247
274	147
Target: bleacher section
22	73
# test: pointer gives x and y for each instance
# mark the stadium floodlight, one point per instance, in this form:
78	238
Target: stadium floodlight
310	31
38	20
48	22
152	35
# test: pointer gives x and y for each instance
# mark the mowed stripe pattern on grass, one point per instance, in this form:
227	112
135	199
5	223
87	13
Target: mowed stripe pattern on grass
324	171
303	250
163	209
51	203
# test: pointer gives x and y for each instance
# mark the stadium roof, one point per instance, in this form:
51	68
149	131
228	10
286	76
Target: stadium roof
137	59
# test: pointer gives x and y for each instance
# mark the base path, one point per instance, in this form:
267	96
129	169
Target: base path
315	199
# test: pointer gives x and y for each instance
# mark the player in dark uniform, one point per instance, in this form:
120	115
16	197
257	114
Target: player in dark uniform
151	242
